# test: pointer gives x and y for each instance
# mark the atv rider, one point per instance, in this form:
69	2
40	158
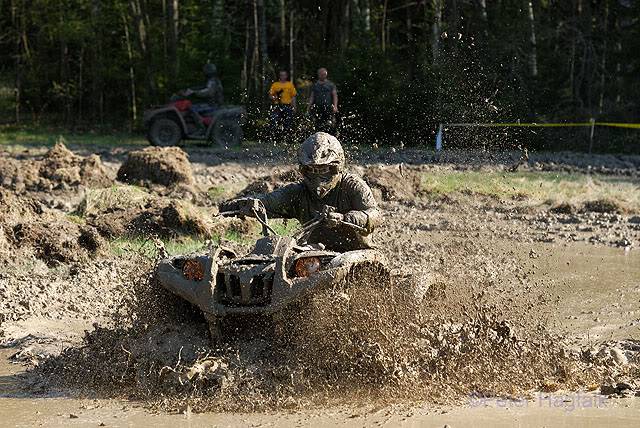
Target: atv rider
343	200
210	96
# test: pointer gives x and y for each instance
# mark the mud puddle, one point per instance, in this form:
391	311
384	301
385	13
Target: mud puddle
559	409
591	293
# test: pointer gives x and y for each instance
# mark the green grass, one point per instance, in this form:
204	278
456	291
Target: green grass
285	227
538	187
47	137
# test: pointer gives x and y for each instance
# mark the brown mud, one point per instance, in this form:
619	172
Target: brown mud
501	314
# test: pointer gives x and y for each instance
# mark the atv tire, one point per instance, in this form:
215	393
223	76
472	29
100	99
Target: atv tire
164	132
227	133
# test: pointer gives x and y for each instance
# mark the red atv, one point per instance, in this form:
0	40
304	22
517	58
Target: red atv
168	125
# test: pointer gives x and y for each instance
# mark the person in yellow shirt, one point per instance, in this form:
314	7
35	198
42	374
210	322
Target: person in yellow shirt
283	95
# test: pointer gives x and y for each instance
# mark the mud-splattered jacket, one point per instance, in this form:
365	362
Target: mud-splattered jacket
351	197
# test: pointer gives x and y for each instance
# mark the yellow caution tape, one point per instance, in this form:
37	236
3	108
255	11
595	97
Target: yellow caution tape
546	125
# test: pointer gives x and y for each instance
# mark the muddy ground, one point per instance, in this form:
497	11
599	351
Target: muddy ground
526	293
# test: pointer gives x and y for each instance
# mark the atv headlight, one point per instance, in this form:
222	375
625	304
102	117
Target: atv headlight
306	266
193	270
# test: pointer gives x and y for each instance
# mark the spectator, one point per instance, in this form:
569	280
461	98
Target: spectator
323	102
283	94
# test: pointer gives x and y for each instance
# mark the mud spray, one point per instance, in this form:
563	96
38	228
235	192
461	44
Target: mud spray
355	344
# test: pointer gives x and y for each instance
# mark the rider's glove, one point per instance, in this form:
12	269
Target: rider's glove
356	217
334	219
243	206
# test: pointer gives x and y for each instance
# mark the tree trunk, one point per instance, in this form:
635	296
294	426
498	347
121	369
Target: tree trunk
533	54
97	85
383	30
366	12
283	25
291	41
18	24
435	28
174	35
132	74
264	54
255	58
603	64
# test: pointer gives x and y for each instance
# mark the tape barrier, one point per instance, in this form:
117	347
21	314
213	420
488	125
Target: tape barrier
544	125
592	124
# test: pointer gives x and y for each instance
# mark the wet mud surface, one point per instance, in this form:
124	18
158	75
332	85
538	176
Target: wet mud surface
519	297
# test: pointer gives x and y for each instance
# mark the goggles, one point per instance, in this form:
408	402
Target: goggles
319	170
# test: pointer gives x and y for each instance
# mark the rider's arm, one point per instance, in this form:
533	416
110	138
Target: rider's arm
283	202
364	210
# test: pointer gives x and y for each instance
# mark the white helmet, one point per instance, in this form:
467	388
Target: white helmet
321	159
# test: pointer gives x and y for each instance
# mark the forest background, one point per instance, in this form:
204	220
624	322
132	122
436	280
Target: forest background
402	67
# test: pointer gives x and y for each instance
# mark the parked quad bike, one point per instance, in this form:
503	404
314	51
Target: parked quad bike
278	274
172	123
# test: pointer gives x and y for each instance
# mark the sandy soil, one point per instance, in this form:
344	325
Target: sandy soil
573	272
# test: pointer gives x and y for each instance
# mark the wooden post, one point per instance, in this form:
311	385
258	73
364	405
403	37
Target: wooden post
593	127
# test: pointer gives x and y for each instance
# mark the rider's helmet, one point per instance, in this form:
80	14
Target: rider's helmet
321	161
210	70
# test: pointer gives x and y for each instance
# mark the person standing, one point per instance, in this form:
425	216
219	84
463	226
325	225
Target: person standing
283	95
323	103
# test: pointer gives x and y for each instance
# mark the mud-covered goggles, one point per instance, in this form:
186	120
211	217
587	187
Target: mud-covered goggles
319	170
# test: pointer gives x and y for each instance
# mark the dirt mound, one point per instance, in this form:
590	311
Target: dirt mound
603	206
128	211
58	169
269	183
167	166
395	183
46	234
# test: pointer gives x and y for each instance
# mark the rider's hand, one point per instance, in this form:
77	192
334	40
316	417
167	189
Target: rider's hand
335	108
243	206
334	219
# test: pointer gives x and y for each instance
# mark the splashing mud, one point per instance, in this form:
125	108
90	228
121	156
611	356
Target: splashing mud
360	343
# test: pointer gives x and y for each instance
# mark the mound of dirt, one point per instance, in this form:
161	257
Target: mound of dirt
58	169
167	166
29	229
603	206
128	211
269	183
393	183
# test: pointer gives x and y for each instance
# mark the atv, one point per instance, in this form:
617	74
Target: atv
170	124
279	273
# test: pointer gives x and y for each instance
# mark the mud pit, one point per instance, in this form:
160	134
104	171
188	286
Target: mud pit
498	320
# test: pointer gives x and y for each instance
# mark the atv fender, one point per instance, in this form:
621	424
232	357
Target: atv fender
199	293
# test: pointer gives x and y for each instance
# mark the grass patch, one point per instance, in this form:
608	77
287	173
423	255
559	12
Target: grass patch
285	227
539	187
42	136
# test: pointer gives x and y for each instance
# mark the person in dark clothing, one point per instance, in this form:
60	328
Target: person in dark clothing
344	200
209	98
323	102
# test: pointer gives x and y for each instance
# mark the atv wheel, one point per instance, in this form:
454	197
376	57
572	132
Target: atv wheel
164	132
227	133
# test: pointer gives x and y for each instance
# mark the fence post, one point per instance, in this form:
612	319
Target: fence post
593	126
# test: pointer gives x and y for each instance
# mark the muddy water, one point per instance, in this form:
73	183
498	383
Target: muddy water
593	296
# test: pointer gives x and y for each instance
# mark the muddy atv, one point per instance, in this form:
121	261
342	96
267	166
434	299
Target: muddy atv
279	273
171	124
